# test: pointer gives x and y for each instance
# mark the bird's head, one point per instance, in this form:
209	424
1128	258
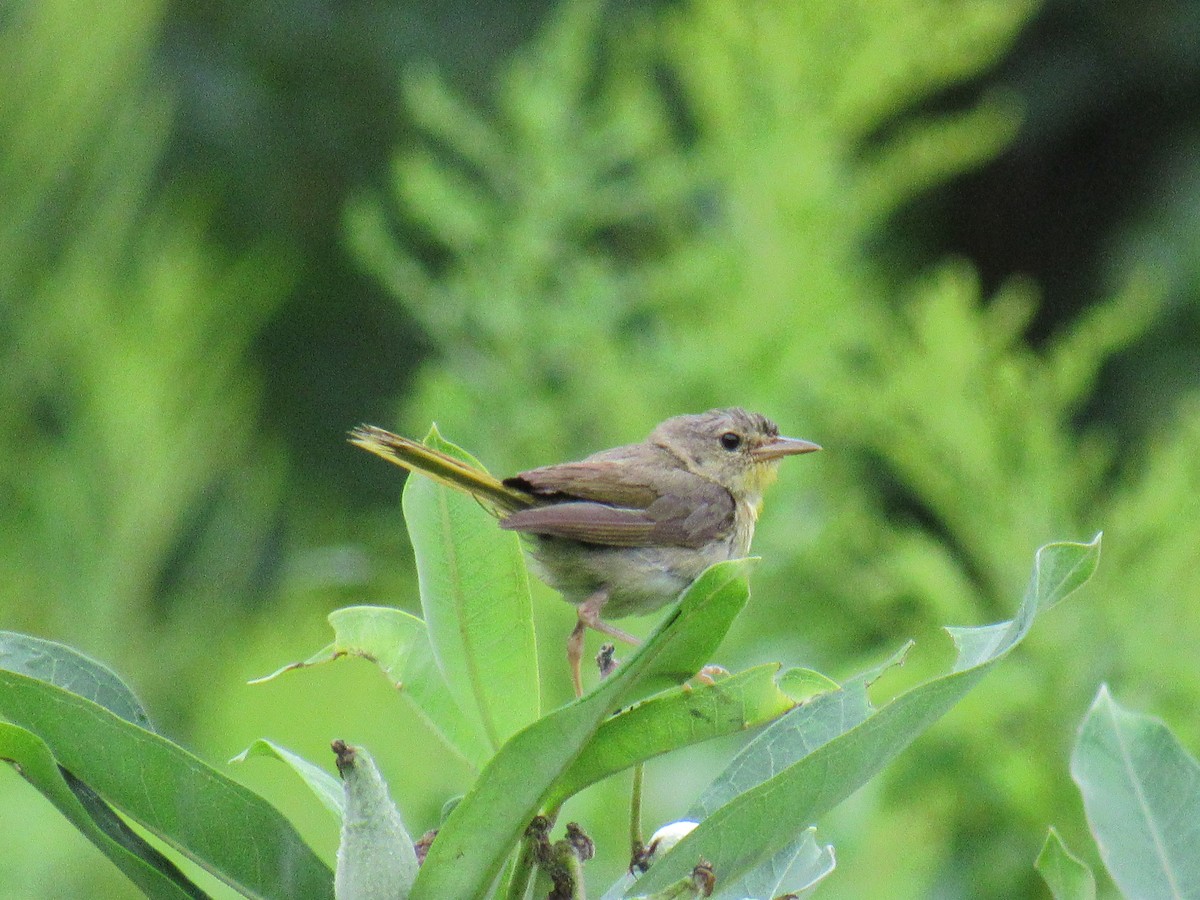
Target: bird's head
737	449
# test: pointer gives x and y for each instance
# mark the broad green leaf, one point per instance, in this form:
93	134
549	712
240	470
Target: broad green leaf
812	864
678	718
398	643
1141	793
71	671
328	789
475	597
223	826
796	870
794	736
804	684
1067	876
477	836
810	760
154	874
376	859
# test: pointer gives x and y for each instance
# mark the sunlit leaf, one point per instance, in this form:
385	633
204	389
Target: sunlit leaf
809	761
1141	792
398	643
477	836
218	823
804	684
72	671
1067	876
794	736
672	720
327	788
796	870
154	874
476	602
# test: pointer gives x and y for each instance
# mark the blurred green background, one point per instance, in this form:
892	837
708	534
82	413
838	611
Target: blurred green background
954	242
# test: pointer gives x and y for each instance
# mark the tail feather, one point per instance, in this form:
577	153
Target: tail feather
442	468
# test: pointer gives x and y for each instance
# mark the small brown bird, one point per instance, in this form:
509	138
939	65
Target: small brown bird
625	530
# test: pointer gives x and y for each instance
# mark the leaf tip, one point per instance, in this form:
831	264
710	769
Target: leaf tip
1103	695
263	679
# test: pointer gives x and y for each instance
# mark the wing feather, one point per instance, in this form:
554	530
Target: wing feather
616	477
694	519
580	520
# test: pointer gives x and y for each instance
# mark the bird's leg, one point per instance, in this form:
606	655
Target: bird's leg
589	617
575	655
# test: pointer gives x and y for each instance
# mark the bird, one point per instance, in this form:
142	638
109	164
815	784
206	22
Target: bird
625	530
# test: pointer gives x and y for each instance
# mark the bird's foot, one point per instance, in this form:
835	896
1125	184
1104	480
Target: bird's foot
710	674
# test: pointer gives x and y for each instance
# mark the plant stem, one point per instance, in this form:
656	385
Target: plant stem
636	844
533	848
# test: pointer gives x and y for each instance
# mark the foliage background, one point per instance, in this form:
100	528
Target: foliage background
954	243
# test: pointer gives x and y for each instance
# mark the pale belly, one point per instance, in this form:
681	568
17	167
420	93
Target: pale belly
639	580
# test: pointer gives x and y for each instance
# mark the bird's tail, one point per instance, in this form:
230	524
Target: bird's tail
497	497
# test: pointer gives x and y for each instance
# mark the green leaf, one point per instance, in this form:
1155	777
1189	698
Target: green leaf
804	684
72	671
820	753
154	874
223	826
672	720
327	788
794	736
472	845
1067	876
398	643
1141	793
811	864
475	597
796	870
376	859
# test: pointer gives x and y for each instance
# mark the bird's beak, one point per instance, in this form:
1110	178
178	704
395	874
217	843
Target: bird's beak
784	446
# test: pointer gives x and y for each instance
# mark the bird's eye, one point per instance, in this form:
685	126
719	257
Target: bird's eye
731	440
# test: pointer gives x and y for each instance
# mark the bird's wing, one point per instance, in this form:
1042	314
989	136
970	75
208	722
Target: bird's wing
692	519
633	476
